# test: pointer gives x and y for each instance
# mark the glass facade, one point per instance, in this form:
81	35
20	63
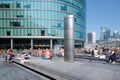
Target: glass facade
41	17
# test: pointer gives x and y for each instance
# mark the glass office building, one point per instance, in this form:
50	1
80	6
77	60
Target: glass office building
37	23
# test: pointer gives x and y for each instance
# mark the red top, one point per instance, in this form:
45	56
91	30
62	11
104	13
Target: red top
9	52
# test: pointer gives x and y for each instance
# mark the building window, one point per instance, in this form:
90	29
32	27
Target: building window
59	24
14	23
75	19
4	5
78	13
42	32
20	16
64	8
27	6
29	34
8	33
18	5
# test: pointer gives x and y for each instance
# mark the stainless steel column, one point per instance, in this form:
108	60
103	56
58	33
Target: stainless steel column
11	44
69	38
31	44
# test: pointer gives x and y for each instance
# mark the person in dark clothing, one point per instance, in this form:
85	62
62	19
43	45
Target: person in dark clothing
112	56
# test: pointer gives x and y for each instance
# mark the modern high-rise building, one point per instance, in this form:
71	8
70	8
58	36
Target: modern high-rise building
38	23
115	34
91	38
105	34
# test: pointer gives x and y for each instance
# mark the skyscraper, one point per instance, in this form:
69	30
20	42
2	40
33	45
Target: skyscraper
91	38
37	23
115	34
105	34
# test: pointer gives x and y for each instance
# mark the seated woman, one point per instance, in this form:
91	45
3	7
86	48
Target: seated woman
112	56
9	56
47	54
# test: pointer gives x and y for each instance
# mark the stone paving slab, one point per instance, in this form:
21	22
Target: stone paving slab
82	70
9	71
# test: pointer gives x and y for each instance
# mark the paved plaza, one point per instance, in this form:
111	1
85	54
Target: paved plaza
81	69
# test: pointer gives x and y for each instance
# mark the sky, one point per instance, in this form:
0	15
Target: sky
102	13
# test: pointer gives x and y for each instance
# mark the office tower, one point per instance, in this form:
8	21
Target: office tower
37	23
105	34
91	38
115	34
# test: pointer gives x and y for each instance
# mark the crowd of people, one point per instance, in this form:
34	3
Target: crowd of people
7	54
25	54
109	53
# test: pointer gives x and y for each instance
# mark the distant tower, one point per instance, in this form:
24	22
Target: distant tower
115	34
102	33
105	34
91	37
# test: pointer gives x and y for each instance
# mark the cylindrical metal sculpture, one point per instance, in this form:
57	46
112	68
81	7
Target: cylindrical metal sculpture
69	38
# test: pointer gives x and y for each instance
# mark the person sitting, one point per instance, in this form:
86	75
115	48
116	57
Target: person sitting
9	56
112	56
47	54
96	53
26	55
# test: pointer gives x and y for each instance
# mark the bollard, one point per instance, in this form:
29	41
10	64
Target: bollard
69	38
